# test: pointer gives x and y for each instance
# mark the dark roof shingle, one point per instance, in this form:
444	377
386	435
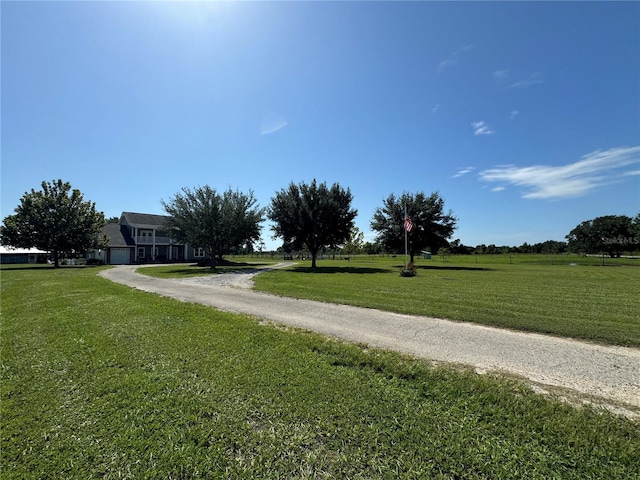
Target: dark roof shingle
145	220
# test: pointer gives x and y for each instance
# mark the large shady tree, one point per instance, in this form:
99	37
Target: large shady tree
314	215
610	234
215	222
56	219
431	225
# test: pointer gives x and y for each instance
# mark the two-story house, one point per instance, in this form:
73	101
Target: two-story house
142	238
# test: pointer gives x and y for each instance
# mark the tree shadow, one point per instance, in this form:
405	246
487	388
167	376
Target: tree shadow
456	267
356	270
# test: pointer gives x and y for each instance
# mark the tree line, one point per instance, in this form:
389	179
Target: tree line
306	216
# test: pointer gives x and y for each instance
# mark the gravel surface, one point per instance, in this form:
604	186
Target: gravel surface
586	372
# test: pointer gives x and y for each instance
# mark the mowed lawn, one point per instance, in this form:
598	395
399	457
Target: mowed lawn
593	302
103	381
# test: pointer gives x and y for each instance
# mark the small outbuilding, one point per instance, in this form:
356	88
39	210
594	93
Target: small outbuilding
426	255
22	255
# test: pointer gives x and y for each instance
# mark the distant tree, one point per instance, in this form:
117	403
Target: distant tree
525	248
444	252
355	242
314	215
635	231
55	219
113	220
551	246
457	248
372	248
432	226
611	234
216	223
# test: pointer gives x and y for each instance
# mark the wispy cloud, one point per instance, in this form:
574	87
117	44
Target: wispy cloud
497	189
514	114
481	128
436	108
531	80
454	58
506	79
572	180
462	171
500	74
271	123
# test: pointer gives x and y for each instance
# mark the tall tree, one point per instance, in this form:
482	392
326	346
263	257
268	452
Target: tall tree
216	223
55	219
355	242
241	219
610	234
315	216
432	226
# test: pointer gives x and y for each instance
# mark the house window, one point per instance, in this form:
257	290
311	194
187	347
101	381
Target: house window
141	252
198	252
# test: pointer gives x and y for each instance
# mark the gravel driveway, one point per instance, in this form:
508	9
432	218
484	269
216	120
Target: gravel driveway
608	376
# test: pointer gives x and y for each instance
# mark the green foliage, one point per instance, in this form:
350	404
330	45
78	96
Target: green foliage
313	216
355	243
55	219
431	225
611	234
217	223
155	388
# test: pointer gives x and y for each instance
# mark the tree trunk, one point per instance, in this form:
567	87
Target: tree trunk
56	259
213	262
313	259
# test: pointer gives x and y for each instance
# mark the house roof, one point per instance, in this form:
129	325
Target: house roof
7	250
118	235
144	220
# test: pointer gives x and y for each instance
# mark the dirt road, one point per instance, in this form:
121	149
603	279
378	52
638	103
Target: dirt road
600	374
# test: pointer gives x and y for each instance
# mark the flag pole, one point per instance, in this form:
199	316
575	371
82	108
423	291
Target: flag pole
404	226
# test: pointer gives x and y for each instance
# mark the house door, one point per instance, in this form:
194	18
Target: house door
120	256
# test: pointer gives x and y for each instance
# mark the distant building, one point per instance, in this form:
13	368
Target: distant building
142	238
22	255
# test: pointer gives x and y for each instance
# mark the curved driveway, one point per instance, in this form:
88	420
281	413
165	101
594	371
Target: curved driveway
610	373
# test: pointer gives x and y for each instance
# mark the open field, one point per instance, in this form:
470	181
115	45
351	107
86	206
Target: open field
100	380
538	293
587	302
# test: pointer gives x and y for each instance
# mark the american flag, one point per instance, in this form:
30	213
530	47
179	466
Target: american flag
408	224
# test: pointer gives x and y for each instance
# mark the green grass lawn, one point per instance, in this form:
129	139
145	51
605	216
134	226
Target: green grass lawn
104	381
596	303
191	270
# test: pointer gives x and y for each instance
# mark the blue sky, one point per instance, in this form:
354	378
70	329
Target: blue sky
524	116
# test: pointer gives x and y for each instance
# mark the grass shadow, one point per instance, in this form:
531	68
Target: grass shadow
356	270
444	267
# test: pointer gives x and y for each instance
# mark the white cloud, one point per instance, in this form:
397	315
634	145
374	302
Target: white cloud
500	74
572	180
271	123
454	58
462	171
514	114
497	189
436	108
533	79
481	128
